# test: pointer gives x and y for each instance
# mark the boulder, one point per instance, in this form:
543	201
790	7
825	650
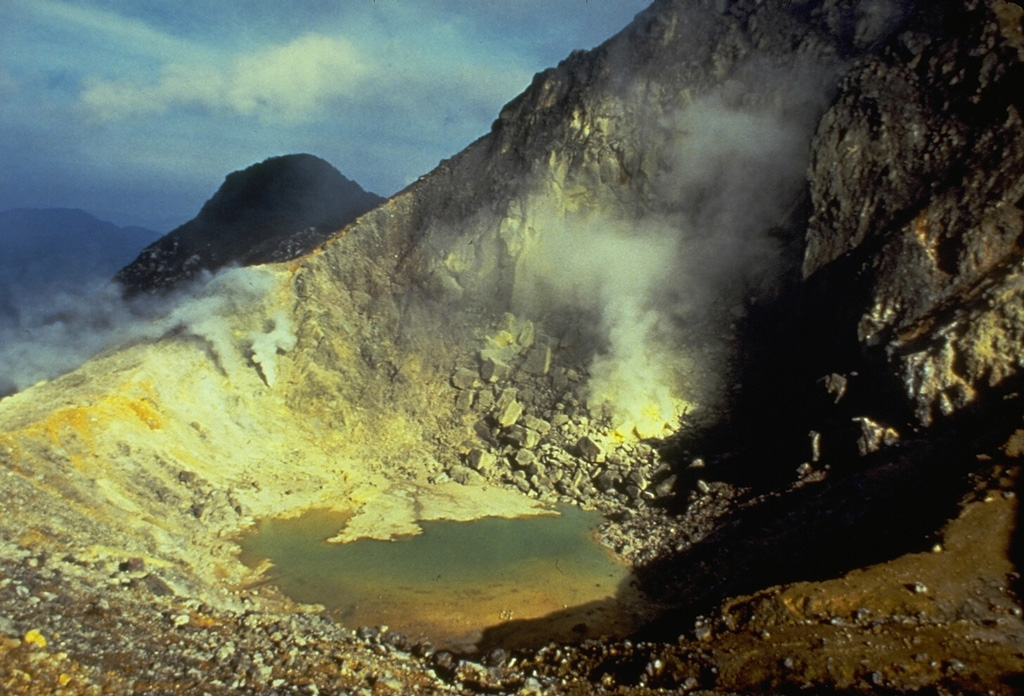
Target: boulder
523	437
509	414
588	449
481	460
492	370
464	378
538	360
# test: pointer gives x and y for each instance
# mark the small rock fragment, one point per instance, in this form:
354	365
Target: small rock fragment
665	488
874	436
835	384
815	441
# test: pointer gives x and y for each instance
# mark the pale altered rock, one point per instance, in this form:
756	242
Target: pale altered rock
524	437
507	396
484	400
526	335
462	475
499	353
525	457
464	378
666	487
481	460
533	423
464	400
510	414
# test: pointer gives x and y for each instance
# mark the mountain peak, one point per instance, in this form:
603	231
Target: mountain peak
271	211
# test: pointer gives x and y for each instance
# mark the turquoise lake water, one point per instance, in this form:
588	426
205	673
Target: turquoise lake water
516	582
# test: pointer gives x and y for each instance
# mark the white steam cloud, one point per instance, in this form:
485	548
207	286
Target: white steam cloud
659	294
289	83
53	333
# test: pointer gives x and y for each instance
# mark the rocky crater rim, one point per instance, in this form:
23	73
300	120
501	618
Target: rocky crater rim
450	354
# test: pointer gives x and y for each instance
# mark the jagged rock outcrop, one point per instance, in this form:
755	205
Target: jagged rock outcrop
273	211
914	247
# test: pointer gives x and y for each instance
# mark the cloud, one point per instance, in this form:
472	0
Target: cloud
8	85
289	83
103	28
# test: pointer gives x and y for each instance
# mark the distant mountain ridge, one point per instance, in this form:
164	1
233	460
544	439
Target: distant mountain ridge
272	211
60	249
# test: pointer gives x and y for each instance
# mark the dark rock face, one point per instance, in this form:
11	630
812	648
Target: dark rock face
273	211
913	257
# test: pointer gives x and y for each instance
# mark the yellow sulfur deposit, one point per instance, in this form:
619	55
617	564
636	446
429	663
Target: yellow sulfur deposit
34	637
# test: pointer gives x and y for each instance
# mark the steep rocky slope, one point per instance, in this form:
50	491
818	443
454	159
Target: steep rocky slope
744	278
272	211
924	266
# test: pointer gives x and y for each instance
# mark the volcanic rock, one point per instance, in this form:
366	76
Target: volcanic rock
588	449
273	211
828	187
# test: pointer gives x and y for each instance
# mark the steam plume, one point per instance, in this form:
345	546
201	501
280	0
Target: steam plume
55	333
661	292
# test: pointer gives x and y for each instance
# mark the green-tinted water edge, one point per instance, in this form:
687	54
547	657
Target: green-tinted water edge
517	582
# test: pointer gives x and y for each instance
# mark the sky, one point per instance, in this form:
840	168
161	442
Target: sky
136	111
